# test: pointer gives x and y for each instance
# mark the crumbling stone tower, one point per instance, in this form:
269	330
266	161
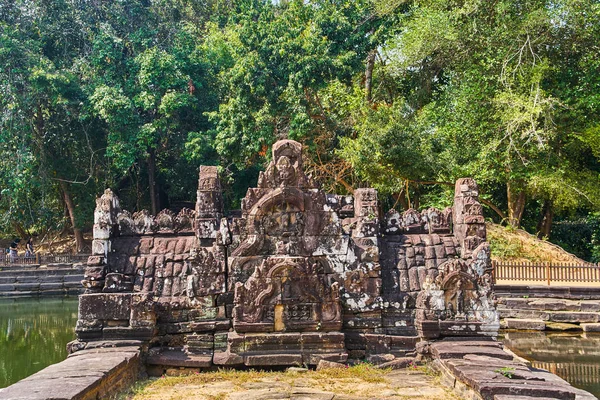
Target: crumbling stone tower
299	276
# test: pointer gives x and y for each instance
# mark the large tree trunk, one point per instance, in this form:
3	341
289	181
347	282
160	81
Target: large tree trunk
19	229
71	207
369	76
400	198
516	204
154	200
544	226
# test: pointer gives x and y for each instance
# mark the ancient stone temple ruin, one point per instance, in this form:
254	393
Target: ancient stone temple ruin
297	276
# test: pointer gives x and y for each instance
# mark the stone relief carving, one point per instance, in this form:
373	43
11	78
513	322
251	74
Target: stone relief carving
142	223
292	283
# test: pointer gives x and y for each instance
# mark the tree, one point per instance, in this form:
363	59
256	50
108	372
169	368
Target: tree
480	81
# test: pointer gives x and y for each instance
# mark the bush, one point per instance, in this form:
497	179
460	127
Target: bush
580	237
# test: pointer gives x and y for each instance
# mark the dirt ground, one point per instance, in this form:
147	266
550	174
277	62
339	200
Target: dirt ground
353	383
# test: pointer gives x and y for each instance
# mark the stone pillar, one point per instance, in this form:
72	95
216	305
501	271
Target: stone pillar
467	217
209	203
105	225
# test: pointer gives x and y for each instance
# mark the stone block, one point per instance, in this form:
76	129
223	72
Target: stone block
227	359
273	360
51	286
7	287
572	317
105	306
33	279
315	359
178	358
590	327
34	286
139	333
94	273
323	364
590	306
525	324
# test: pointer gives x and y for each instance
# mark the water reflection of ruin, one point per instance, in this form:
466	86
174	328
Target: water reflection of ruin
575	373
574	357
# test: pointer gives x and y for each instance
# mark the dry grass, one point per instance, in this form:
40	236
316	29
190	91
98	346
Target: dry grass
518	245
360	380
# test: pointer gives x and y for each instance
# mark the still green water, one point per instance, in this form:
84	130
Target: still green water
34	334
574	356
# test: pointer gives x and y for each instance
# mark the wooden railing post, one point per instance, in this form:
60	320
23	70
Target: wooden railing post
547	272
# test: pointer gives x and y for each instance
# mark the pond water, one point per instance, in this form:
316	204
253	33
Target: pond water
575	357
34	334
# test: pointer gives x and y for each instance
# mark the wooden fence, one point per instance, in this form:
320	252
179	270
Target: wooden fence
546	272
6	260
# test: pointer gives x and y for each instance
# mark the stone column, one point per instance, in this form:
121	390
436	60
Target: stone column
467	217
209	203
105	225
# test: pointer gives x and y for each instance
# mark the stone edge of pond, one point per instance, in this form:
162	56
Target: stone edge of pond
88	374
484	370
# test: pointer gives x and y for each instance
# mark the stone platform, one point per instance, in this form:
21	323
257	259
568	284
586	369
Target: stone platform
95	373
482	369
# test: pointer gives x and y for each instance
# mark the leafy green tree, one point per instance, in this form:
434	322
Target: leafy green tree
482	85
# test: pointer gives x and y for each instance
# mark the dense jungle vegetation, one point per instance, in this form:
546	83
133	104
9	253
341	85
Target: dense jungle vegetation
405	96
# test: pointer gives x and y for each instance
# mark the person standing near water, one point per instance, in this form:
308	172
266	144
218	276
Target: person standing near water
29	248
13	250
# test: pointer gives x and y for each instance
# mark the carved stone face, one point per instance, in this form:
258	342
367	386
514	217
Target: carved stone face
284	220
286	173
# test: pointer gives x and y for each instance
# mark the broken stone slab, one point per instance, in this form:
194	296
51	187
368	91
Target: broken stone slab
227	359
324	364
313	359
398	363
525	324
380	358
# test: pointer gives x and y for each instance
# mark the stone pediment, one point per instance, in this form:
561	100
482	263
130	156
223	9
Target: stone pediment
287	294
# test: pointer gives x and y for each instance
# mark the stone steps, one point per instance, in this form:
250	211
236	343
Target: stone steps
521	311
40	281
